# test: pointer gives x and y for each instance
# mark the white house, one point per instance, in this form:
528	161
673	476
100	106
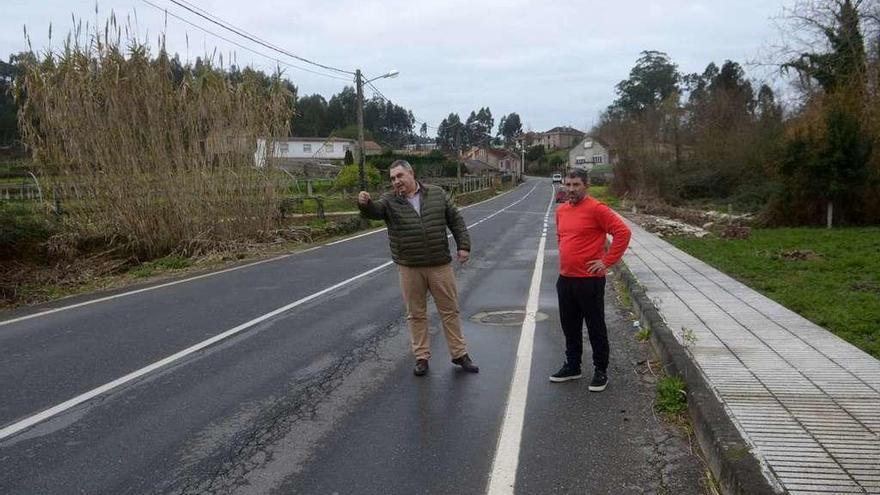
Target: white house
590	151
305	148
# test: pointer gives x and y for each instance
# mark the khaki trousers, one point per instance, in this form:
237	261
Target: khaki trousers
415	283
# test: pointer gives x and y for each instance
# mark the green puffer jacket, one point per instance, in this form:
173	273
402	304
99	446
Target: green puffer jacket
420	240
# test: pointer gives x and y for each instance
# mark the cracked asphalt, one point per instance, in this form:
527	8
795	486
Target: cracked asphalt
321	398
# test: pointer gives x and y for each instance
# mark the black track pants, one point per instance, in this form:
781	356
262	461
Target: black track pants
582	299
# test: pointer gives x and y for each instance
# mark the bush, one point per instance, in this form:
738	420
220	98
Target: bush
434	164
23	227
349	177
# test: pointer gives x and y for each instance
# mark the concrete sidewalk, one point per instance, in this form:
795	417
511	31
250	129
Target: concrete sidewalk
805	402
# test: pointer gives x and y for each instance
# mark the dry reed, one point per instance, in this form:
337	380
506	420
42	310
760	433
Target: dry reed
150	156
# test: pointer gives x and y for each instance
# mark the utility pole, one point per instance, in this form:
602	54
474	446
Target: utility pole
362	153
458	154
360	122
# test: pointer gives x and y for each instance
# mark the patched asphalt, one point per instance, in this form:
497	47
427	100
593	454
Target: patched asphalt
321	399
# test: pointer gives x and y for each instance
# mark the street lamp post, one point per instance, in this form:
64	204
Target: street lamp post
359	78
462	130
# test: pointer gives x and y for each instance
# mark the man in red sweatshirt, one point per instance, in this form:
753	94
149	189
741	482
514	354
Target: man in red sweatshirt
582	224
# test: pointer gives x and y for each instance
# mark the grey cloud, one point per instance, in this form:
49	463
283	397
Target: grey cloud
552	62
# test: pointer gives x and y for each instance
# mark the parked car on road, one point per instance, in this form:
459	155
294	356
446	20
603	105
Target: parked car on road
560	195
557	178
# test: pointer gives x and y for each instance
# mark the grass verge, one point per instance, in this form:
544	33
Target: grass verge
603	194
831	277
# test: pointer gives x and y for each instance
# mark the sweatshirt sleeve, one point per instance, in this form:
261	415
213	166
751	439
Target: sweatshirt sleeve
620	234
557	226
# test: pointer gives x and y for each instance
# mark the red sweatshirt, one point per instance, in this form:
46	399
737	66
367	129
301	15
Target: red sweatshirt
581	231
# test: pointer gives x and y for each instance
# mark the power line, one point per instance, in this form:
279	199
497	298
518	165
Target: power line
230	27
207	31
383	97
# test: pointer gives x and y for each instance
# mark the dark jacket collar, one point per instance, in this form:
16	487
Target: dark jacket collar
421	190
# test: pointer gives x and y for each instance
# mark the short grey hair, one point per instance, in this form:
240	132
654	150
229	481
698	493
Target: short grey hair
402	163
579	173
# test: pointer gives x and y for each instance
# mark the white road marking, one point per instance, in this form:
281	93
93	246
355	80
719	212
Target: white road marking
79	399
147	289
205	275
502	480
340	241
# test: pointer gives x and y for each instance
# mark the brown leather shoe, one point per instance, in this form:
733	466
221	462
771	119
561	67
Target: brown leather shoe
421	367
466	364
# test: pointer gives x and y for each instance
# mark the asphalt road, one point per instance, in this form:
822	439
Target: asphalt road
320	398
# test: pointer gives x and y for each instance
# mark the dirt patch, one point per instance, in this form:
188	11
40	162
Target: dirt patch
665	220
662	226
868	286
30	282
735	232
796	255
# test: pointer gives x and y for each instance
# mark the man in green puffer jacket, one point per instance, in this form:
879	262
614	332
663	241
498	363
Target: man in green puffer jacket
417	216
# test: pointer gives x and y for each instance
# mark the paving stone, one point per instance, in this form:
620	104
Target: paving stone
807	400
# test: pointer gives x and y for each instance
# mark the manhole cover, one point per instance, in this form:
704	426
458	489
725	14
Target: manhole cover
511	318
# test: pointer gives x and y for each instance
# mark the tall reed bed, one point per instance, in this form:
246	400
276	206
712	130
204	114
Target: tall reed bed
149	156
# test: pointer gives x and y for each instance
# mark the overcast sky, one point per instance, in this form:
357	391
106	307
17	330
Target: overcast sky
553	62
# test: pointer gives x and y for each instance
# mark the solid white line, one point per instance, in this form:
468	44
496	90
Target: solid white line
79	399
153	287
490	199
504	467
340	241
48	413
197	277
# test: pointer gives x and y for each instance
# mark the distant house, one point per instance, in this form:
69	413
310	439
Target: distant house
557	138
372	148
501	160
479	167
310	149
419	147
525	140
589	152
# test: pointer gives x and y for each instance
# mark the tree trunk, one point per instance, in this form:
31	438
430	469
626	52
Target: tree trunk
829	214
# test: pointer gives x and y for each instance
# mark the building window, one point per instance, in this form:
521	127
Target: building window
328	148
597	159
588	144
307	148
580	160
284	147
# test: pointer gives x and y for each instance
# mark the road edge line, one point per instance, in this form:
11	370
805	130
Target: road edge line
505	463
